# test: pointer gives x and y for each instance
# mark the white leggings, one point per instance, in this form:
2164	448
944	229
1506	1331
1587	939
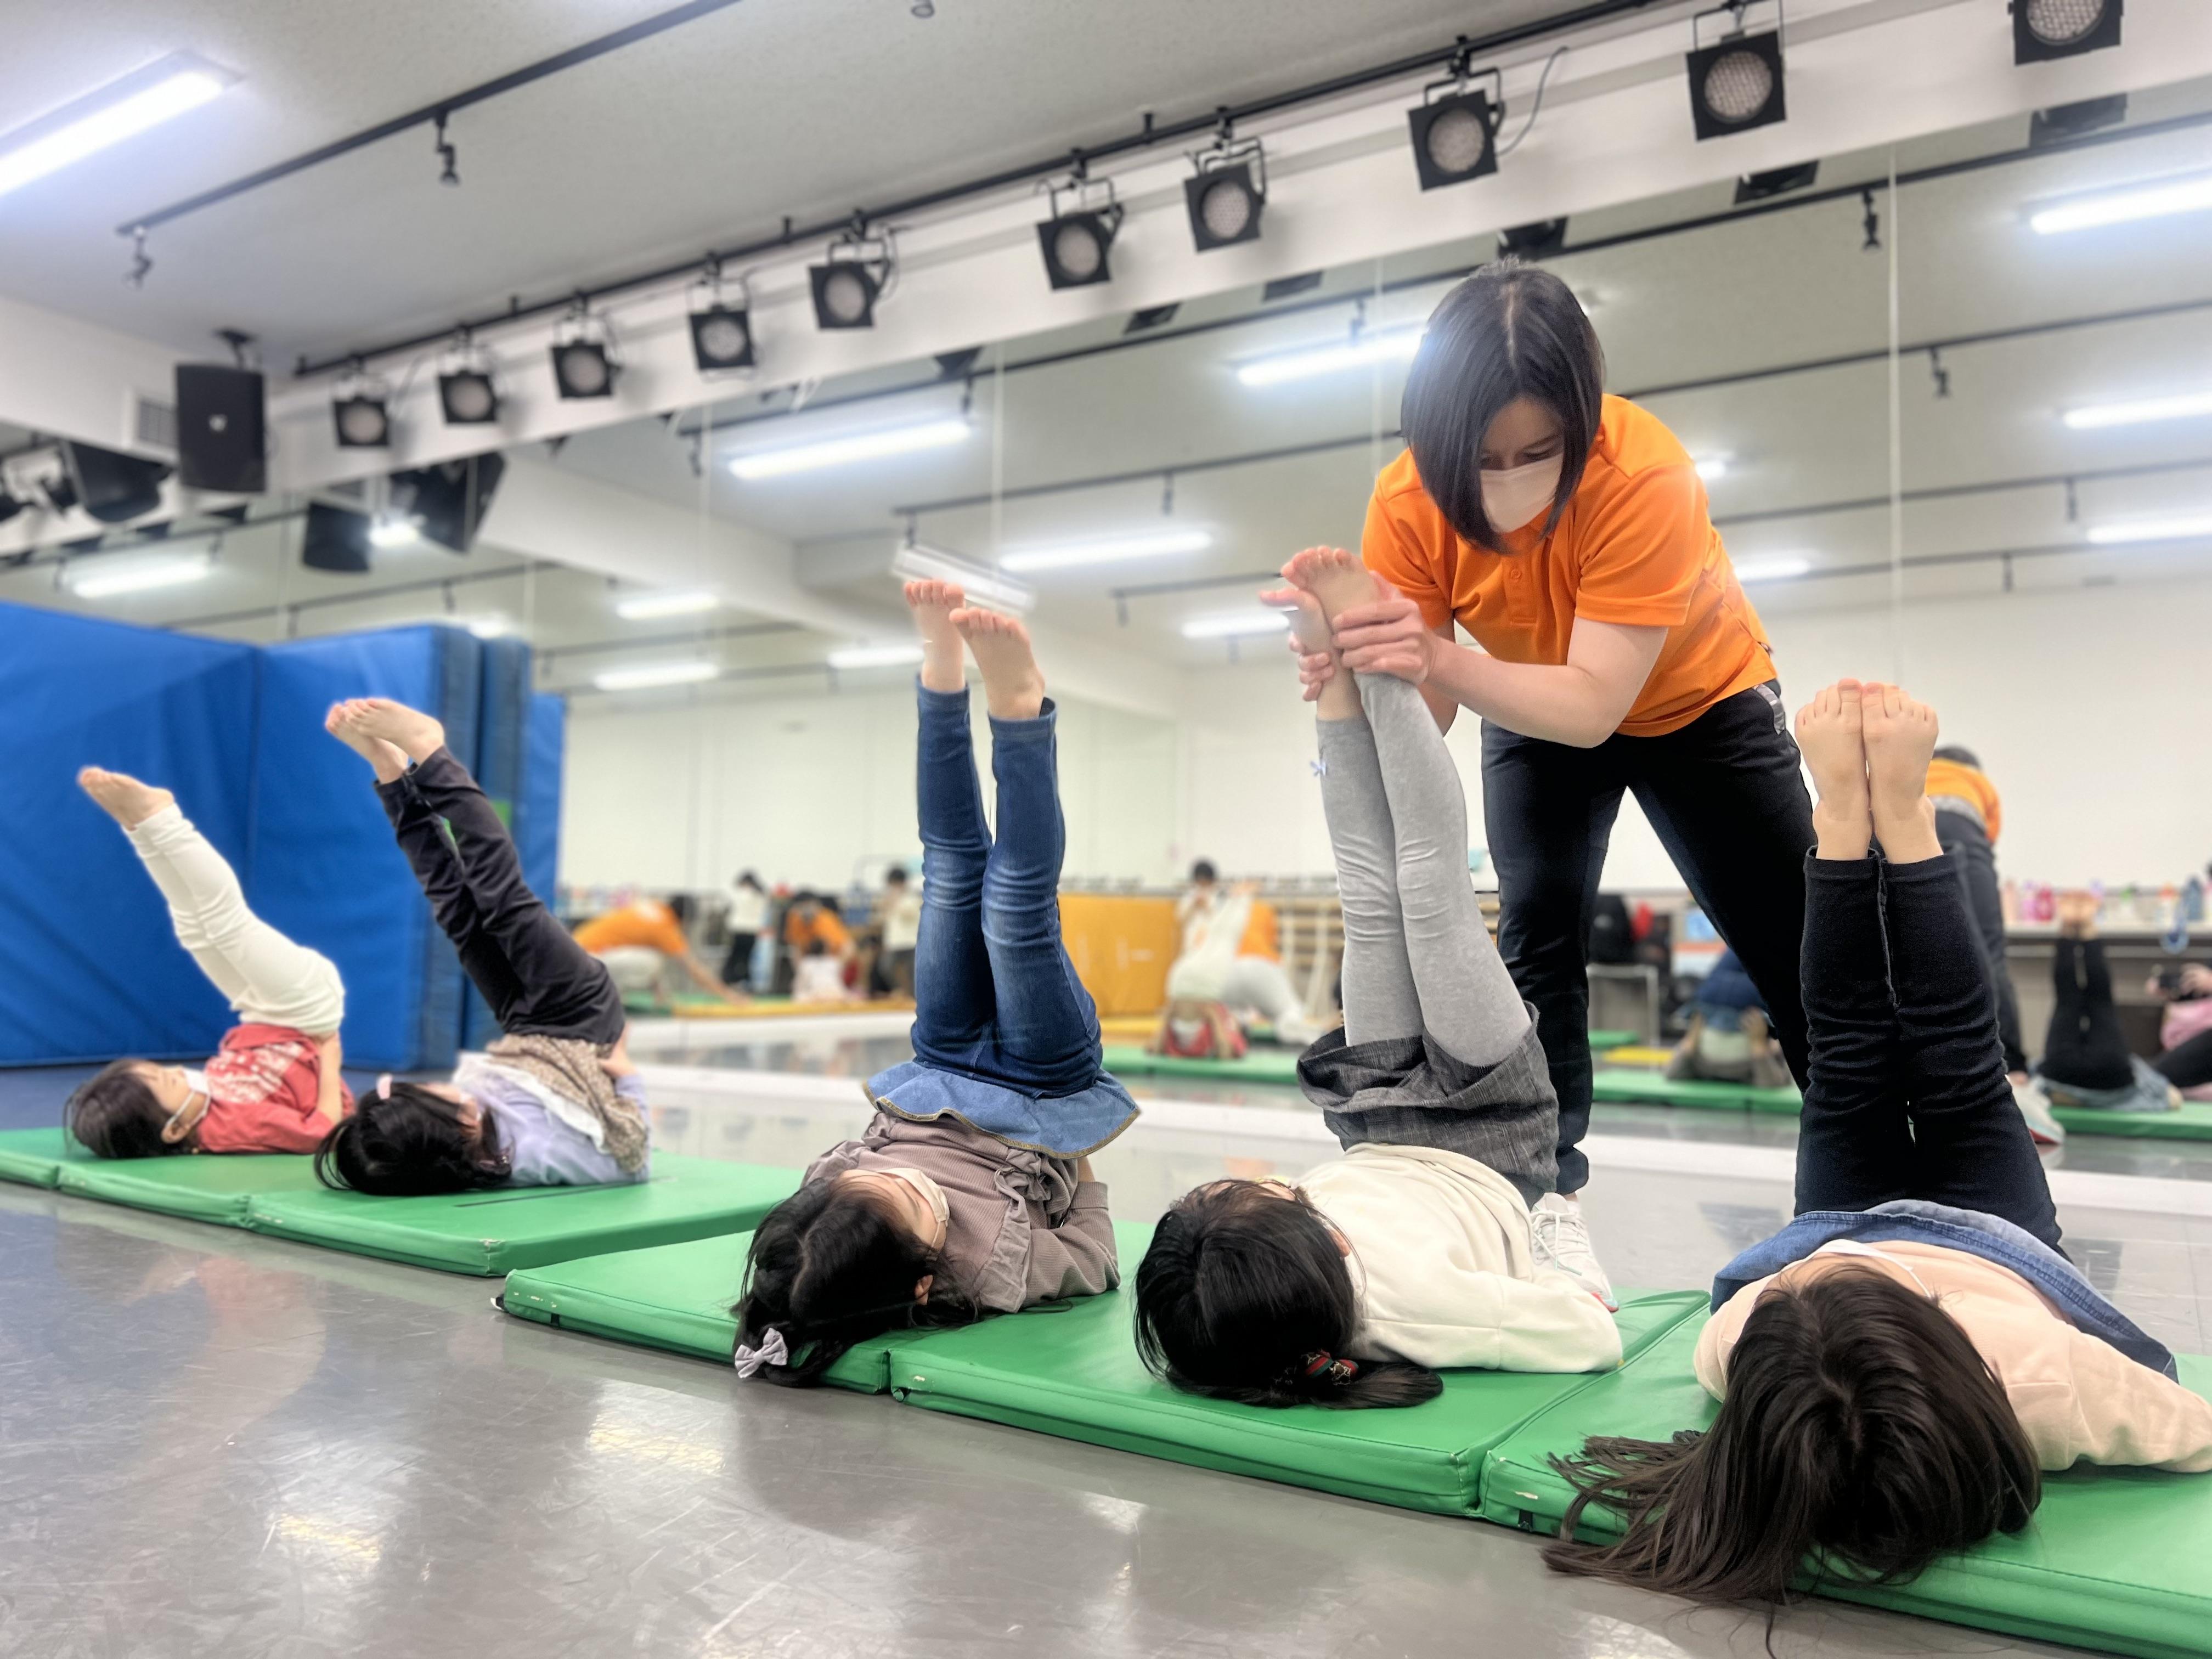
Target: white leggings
269	980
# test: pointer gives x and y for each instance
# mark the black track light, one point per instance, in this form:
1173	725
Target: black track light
467	394
2044	29
1076	240
722	339
856	273
360	413
1735	83
1455	136
1226	191
1776	181
584	363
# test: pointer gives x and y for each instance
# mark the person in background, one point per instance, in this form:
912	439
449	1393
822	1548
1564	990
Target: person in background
810	920
1898	1366
2086	1061
1230	958
1729	1040
819	977
1968	819
899	917
273	1085
1198	898
638	941
745	915
2186	1029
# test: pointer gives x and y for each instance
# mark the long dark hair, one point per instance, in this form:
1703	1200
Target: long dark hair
116	1114
1244	1296
1863	1435
1510	331
832	1266
403	1141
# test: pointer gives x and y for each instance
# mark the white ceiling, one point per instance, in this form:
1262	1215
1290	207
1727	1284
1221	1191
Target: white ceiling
709	133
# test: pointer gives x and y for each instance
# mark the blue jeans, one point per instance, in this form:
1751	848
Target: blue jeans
996	996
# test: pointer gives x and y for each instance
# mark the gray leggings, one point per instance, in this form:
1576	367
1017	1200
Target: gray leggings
1417	958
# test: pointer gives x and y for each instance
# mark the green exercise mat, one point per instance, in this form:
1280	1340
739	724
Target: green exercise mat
211	1187
1076	1375
1599	1040
1623	1085
2114	1560
496	1229
676	1297
1275	1066
34	1156
2193	1121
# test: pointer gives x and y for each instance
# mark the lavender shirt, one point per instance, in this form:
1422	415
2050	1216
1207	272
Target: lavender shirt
543	1151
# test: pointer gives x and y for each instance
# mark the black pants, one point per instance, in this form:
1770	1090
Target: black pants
2084	1046
1976	860
1729	803
1908	1096
539	980
737	964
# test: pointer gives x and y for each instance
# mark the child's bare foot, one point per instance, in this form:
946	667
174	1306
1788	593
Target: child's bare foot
386	759
1340	693
1831	736
2077	914
1901	738
122	797
411	731
944	668
1013	685
1332	576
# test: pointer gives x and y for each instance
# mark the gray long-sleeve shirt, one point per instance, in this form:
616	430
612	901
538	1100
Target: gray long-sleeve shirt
1023	1230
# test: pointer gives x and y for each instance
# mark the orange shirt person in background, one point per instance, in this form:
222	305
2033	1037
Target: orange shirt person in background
1968	817
1615	651
650	924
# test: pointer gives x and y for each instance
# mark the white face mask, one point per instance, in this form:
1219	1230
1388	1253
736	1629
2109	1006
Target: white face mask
930	1190
1512	498
195	1081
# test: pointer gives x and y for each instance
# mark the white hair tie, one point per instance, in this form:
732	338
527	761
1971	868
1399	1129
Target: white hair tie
383	1085
772	1351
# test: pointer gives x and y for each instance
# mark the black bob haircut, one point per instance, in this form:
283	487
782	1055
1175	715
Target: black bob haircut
1510	331
1959	755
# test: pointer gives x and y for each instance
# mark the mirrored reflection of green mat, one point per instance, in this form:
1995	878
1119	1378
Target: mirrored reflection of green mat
1076	1375
1625	1086
2114	1560
2193	1121
1601	1039
494	1229
1271	1066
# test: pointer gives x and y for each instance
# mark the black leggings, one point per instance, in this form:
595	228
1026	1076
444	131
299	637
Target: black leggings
1976	860
2084	1046
1907	1096
539	980
2188	1064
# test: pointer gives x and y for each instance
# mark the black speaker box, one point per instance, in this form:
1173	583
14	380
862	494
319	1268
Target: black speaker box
336	539
110	486
221	428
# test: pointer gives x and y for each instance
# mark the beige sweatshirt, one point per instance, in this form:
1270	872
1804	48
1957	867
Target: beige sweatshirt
1441	1256
2079	1398
1023	1230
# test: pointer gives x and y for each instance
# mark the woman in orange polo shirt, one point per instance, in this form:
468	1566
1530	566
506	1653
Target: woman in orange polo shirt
1567	532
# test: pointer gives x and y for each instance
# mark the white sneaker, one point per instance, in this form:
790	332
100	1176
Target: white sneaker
2046	1130
1562	1240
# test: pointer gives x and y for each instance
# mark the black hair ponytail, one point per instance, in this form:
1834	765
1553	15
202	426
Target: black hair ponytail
1244	1296
403	1141
831	1267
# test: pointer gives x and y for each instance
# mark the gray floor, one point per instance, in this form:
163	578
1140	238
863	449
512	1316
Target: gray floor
214	1443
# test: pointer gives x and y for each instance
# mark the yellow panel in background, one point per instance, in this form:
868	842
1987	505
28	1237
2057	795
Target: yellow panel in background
1122	946
1636	1054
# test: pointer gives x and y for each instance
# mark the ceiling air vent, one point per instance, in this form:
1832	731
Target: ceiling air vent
149	424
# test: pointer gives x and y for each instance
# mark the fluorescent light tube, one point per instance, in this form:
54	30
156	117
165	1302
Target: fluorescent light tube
1712	467
393	532
854	447
99	582
2152	200
121	111
1235	624
2152	530
1774	567
1111	550
915	562
647	607
491	628
874	656
660	673
2175	408
1388	346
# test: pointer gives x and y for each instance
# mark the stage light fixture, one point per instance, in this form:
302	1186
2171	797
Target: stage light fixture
584	361
1537	241
110	486
448	501
336	540
1076	241
2044	29
1226	191
361	412
1455	136
1776	181
1735	83
467	394
722	322
857	271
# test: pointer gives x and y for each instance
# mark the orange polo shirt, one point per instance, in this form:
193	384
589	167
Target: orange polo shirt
1635	546
648	923
1968	784
827	930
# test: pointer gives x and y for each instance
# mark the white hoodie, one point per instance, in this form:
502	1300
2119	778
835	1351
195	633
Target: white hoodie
1446	1274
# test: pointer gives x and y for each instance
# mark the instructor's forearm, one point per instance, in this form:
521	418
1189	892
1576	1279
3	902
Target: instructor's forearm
1562	704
